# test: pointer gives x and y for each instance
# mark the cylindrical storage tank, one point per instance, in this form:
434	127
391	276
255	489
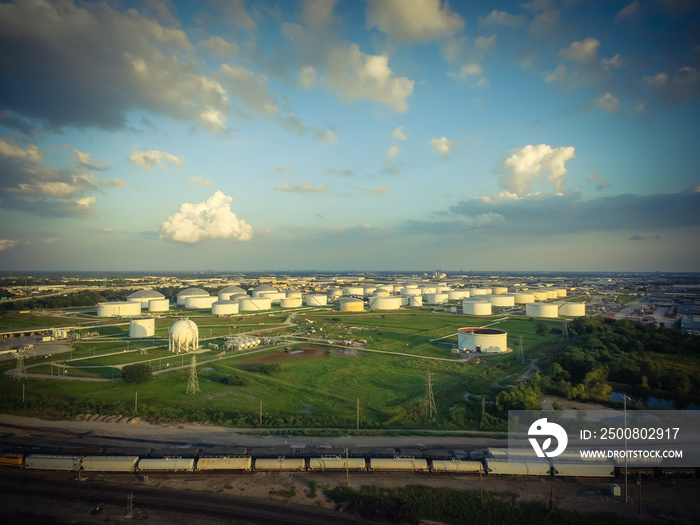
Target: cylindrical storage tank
542	310
352	305
353	290
258	290
293	295
442	288
540	296
524	298
119	309
561	292
274	297
497	290
397	289
484	340
200	301
226	293
109	463
381	293
481	291
435	298
456	295
316	300
142	327
334	293
291	302
280	463
572	309
392	302
476	307
502	300
252	304
224	307
368	290
158	305
144	296
415	300
184	336
552	294
189	292
426	289
411	291
388	287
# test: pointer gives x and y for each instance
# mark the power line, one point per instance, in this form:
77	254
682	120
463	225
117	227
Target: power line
193	382
430	408
20	369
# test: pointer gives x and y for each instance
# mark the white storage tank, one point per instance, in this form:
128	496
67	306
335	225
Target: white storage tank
540	295
316	300
334	293
144	296
502	300
552	294
481	291
457	295
484	340
435	298
142	327
224	307
293	295
274	297
426	289
381	293
542	310
415	300
291	302
252	304
524	298
392	302
119	309
561	292
353	290
498	290
189	292
572	309
258	290
476	307
226	293
368	290
195	302
184	336
352	305
411	291
159	305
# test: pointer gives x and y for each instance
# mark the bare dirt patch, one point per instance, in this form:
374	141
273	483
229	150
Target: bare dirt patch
304	352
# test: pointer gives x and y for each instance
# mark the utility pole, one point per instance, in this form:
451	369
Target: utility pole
430	408
193	382
565	330
20	369
521	353
136	403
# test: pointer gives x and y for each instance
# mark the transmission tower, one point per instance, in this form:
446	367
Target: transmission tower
20	369
521	353
565	330
193	383
430	409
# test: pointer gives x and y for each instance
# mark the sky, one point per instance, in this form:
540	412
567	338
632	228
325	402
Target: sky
350	135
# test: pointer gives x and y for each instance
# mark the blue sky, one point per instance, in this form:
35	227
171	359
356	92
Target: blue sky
332	135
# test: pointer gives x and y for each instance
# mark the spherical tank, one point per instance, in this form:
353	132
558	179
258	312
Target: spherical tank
291	302
184	336
542	310
252	304
484	340
524	298
144	296
476	307
392	302
200	301
502	300
159	305
316	300
224	307
142	327
572	309
119	309
352	305
189	292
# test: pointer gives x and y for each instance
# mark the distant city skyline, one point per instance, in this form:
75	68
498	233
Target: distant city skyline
329	135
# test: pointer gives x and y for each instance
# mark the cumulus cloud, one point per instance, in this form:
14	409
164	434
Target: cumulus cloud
503	18
379	191
629	11
585	65
414	20
392	153
304	187
211	219
525	165
200	181
219	48
677	87
114	183
30	154
7	244
442	146
84	160
599	181
154	159
250	88
294	124
607	102
399	134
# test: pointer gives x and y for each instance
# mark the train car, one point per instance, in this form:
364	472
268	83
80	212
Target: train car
456	465
399	463
109	463
280	463
583	470
224	463
519	467
10	459
172	464
47	462
336	463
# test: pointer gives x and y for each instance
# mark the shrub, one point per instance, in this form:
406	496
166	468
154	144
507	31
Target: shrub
138	373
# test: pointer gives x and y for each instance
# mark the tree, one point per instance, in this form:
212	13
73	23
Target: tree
542	328
138	373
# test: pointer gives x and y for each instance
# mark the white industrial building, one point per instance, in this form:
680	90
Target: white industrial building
144	297
142	327
476	307
390	302
224	307
184	336
484	340
119	309
542	310
189	292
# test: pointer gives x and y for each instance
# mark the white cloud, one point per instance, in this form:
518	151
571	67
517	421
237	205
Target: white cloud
7	244
599	181
154	158
51	240
250	88
307	77
525	165
417	20
399	134
283	169
115	183
12	151
210	219
87	202
442	146
628	11
219	48
85	160
607	102
304	187
677	87
200	181
583	51
392	153
468	56
502	18
379	191
317	14
293	123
